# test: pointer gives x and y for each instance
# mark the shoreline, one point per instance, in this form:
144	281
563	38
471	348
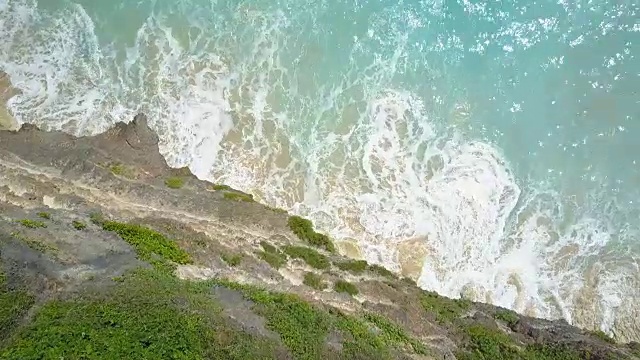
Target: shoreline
7	122
215	233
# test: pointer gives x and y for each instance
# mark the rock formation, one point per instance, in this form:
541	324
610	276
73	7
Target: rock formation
107	253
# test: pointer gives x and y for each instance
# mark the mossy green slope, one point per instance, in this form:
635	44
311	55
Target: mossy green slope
151	314
14	303
148	315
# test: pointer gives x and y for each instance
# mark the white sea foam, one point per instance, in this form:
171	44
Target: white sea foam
55	68
183	96
361	155
69	81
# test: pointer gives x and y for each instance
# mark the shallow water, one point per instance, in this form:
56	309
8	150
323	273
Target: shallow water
487	149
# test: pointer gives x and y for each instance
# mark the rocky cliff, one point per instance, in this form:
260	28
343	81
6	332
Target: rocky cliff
107	253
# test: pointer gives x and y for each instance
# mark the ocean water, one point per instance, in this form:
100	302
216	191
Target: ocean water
488	149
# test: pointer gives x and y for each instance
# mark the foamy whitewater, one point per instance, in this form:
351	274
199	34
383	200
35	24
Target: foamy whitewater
488	150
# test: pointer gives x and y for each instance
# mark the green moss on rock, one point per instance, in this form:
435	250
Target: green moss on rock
361	341
97	218
32	224
174	182
603	336
148	243
268	247
304	327
445	309
13	306
221	187
358	267
309	255
394	334
342	286
140	319
232	259
277	210
507	316
119	169
409	282
238	196
485	343
78	225
314	281
44	215
34	243
303	228
272	255
353	266
382	271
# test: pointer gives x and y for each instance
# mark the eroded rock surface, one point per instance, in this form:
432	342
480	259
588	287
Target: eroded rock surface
57	192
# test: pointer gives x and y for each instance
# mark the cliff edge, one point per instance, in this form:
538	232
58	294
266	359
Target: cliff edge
107	253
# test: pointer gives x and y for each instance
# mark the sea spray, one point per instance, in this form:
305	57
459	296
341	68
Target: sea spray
482	135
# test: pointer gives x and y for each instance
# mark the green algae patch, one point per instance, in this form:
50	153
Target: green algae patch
303	228
119	169
275	260
346	287
232	194
314	281
268	247
148	243
97	218
309	255
409	282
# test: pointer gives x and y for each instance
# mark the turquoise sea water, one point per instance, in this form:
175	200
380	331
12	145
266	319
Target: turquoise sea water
499	139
